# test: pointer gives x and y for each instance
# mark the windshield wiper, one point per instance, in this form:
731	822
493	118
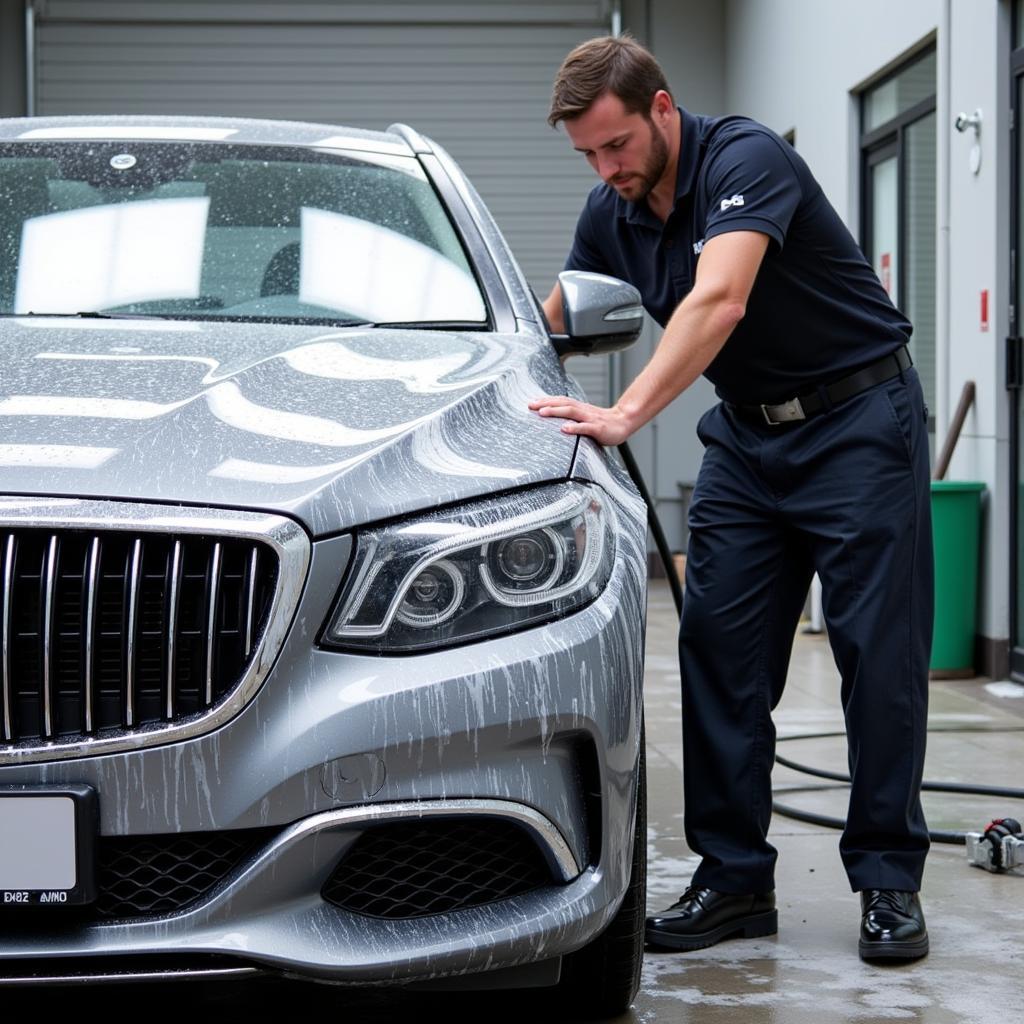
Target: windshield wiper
435	325
92	314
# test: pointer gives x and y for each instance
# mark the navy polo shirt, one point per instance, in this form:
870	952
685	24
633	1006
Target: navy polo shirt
817	310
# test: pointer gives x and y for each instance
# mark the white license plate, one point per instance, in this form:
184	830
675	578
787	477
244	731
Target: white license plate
38	853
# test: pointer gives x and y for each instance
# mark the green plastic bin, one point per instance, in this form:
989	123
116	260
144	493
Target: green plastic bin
956	525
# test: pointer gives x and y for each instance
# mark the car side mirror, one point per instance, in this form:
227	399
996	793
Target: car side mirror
601	314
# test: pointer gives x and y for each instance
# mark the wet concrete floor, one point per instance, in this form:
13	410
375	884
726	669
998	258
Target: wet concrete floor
810	971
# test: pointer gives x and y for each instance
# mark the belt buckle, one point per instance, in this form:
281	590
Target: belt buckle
785	412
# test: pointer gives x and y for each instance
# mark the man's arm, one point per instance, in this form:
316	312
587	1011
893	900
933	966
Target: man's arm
553	310
694	335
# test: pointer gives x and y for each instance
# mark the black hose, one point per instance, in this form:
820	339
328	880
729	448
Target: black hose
655	524
934	787
938	835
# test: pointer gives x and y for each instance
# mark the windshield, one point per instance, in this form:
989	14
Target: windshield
238	232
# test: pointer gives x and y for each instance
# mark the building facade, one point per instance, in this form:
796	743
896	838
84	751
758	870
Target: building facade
870	93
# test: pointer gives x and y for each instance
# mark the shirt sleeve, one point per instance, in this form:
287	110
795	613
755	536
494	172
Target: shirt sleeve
752	186
586	253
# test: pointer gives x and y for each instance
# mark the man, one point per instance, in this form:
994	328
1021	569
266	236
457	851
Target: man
816	460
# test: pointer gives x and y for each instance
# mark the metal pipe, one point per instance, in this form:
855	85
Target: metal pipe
30	58
616	18
943	252
953	434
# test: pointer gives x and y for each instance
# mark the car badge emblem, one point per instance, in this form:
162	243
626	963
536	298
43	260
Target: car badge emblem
123	161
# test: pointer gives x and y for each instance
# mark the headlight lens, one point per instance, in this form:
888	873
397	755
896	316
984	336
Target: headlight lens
481	569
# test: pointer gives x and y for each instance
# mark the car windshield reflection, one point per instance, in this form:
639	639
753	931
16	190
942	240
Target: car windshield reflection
239	232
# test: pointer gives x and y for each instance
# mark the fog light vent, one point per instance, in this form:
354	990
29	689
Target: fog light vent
411	870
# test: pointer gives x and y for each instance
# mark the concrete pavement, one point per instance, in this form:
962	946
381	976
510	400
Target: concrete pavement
810	971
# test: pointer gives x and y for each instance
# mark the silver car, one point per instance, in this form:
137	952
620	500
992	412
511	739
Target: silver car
321	653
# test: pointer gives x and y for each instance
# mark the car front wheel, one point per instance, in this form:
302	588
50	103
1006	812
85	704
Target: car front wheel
602	979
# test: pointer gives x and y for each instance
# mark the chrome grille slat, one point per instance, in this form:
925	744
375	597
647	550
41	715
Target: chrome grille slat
250	602
135	573
174	589
49	583
122	630
211	624
109	581
10	549
90	585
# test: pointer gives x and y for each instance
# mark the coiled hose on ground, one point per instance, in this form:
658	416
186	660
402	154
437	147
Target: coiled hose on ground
971	789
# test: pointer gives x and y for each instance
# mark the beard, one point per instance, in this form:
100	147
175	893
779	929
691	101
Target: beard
654	167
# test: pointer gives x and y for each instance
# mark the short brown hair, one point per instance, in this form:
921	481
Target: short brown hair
616	64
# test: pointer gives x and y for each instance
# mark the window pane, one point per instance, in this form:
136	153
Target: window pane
911	85
885	225
919	225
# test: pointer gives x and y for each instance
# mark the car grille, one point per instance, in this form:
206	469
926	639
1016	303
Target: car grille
416	870
106	630
140	876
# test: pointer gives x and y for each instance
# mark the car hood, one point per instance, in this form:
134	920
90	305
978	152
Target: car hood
335	427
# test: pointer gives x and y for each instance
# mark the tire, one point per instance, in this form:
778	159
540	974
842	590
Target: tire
602	979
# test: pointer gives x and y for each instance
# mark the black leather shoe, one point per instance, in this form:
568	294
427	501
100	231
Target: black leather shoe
892	927
702	917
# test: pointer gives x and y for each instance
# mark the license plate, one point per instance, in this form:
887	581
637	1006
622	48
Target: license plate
47	839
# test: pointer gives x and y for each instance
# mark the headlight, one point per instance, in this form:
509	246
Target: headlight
491	567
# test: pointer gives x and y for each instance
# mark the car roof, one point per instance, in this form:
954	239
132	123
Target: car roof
140	127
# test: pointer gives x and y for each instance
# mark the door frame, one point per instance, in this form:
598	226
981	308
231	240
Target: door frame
1014	352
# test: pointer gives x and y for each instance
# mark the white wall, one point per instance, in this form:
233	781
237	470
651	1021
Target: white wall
688	38
979	246
793	64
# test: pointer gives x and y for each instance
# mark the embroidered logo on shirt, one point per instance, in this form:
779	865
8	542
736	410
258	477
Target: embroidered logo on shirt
734	201
697	246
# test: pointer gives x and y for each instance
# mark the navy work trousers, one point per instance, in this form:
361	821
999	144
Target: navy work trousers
845	494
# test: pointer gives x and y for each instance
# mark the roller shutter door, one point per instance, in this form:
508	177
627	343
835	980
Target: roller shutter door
476	76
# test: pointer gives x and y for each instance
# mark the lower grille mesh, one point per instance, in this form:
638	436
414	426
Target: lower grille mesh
140	876
398	871
411	870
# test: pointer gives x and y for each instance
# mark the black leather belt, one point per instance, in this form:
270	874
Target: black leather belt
805	406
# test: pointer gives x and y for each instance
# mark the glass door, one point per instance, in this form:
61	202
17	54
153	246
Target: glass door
883	198
898	148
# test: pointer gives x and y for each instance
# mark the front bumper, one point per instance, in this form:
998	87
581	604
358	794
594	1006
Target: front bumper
271	914
334	743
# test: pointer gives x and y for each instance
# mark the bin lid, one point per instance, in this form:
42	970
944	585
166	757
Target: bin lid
957	485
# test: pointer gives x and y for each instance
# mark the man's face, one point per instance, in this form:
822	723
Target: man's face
628	151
